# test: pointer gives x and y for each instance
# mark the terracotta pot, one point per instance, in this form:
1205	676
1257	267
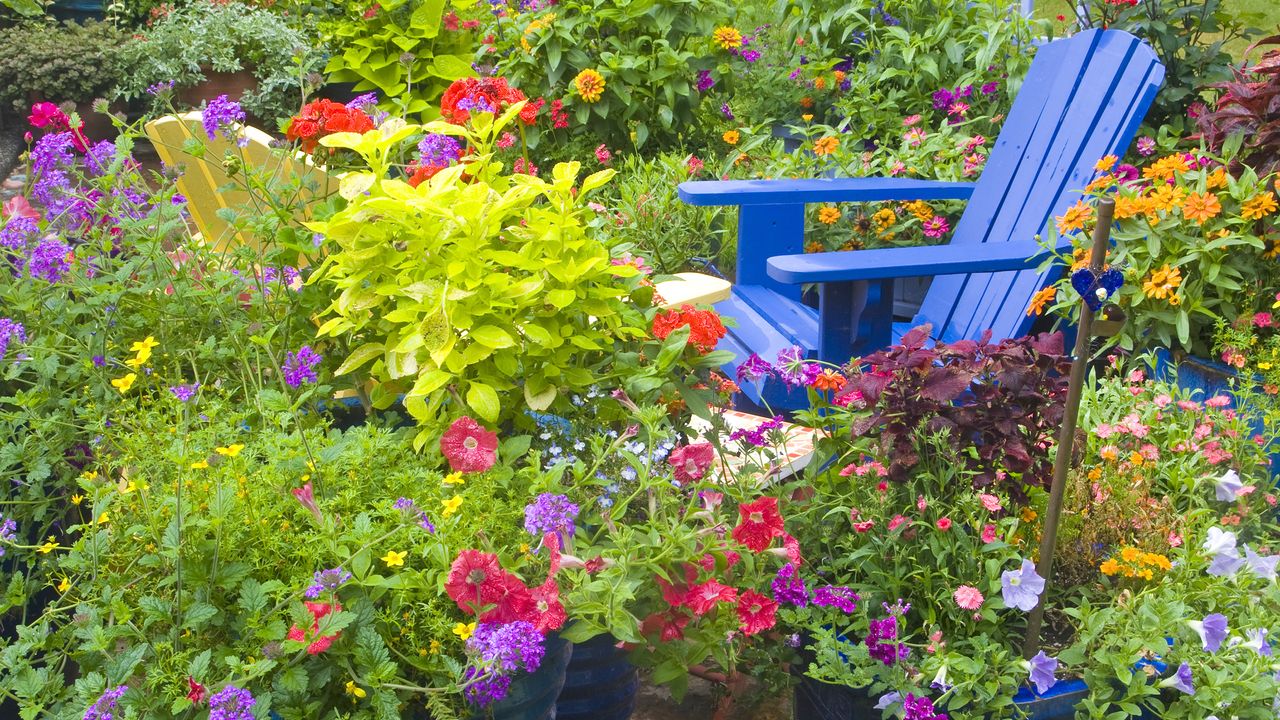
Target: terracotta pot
233	84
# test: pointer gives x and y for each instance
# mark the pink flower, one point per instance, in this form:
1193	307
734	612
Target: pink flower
1262	320
306	497
921	503
1188	405
603	154
958	109
694	165
944	524
990	502
896	522
936	227
1104	430
968	597
988	533
1162	401
506	141
915	136
882	486
1217	401
1174	539
691	461
19	207
45	114
468	446
897	168
910	120
1150	452
863	527
1271	499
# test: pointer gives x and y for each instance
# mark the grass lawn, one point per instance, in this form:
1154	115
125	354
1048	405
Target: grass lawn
1262	14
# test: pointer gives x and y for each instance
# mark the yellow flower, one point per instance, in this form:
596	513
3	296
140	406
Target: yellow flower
1162	283
49	546
1100	183
104	518
921	209
884	218
1127	207
1259	206
825	145
64	585
77	499
1166	198
1075	217
394	559
230	450
435	647
451	505
200	465
828	215
89	474
1129	554
1042	299
807	117
590	85
464	630
454	478
727	37
731	137
1109	567
1106	163
1028	514
142	350
1217	179
1165	168
1201	207
124	383
355	691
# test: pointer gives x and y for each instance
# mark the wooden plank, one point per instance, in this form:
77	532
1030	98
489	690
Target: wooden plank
797	321
747	193
765	231
907	262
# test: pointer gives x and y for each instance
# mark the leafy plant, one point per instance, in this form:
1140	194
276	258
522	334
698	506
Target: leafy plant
1248	105
997	403
223	37
59	62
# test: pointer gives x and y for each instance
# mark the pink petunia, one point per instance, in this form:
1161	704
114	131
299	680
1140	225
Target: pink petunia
988	533
468	446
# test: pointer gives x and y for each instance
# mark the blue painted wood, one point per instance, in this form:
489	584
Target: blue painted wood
907	262
1083	98
774	192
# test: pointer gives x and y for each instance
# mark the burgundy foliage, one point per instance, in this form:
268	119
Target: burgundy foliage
1249	104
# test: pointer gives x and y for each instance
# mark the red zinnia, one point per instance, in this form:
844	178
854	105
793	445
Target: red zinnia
756	612
468	446
691	461
759	523
702	599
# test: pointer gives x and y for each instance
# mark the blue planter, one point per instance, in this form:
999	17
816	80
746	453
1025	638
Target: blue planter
815	700
533	695
600	683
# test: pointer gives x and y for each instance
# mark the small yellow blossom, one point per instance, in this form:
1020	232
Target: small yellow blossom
435	647
104	518
49	546
77	499
1028	514
1259	206
230	450
200	465
727	37
64	585
451	505
828	215
731	137
124	383
464	630
454	478
1106	163
90	475
825	145
394	559
590	85
355	691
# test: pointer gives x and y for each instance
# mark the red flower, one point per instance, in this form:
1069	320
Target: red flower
529	113
864	526
705	328
551	613
756	612
475	579
944	524
490	92
195	692
595	565
759	523
451	21
691	461
792	546
669	625
703	598
306	497
559	118
468	446
322	117
47	114
321	642
513	602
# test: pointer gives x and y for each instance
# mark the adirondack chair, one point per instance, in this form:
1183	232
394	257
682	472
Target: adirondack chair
1083	98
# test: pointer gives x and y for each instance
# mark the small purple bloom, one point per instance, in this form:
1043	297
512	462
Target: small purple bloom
8	531
550	513
1146	146
792	369
1228	486
425	523
507	647
219	116
942	99
1042	669
160	87
1225	563
726	111
18	232
1021	588
754	368
438	150
106	702
880	641
361	102
326	581
789	588
231	703
1256	639
888	700
184	393
1181	680
920	708
1263	566
758	435
990	88
49	261
837	596
10	330
705	82
475	104
300	367
1212	631
751	55
484	689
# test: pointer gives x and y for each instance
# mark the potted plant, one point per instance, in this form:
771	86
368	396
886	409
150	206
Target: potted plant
64	63
208	49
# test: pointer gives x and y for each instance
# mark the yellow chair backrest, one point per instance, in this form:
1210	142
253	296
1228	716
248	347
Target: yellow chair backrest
206	184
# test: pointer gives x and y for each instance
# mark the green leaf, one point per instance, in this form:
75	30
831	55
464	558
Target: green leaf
359	357
495	337
484	400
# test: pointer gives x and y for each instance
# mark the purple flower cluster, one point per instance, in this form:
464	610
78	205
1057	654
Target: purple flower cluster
219	116
751	55
184	393
508	647
550	513
943	97
49	261
326	581
361	102
792	369
789	588
837	596
754	368
231	703
100	156
726	111
8	532
484	690
9	331
300	367
757	435
53	151
163	86
705	81
920	708
106	702
410	509
438	150
288	276
475	104
880	641
18	232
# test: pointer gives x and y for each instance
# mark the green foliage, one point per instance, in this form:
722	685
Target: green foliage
35	62
401	48
647	51
224	37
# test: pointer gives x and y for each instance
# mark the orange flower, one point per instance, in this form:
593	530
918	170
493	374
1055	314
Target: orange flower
1106	163
1127	207
731	136
1100	183
1162	283
1166	198
807	117
1165	168
1041	300
1075	217
590	85
1259	206
820	83
727	37
828	215
825	145
1201	207
806	102
828	379
1217	179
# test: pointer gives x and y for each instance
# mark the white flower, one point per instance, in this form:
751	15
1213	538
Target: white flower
1228	486
1220	541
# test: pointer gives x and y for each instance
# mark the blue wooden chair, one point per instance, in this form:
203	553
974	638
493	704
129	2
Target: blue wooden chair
1083	98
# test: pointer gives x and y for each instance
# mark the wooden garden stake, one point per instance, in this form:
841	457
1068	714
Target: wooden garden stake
1066	438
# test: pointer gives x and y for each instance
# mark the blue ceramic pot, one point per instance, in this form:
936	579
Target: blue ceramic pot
533	695
600	682
815	700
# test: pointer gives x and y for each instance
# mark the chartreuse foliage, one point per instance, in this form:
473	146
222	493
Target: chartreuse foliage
475	284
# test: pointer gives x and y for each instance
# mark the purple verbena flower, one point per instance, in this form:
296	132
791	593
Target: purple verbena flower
10	330
550	513
757	436
881	635
300	367
726	111
484	689
1021	588
990	88
751	55
231	703
437	150
1212	630
18	232
220	115
475	104
160	87
326	581
507	647
789	588
1042	668
942	98
184	393
52	152
106	702
100	156
705	82
361	102
837	596
49	261
8	532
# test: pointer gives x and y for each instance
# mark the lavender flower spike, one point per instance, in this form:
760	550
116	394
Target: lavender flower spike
1212	630
1021	588
1042	668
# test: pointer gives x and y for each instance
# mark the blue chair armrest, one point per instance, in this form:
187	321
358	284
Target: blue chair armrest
909	262
799	192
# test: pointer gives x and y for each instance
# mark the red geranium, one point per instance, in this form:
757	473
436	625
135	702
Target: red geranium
468	446
325	117
691	461
529	113
489	94
705	328
703	598
669	625
759	523
756	612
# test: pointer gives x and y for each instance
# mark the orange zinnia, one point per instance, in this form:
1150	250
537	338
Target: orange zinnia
1258	206
1041	300
1201	207
828	215
1075	217
828	380
825	145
